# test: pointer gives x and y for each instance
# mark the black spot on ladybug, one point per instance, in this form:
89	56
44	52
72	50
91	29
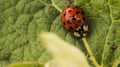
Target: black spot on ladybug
64	14
78	12
73	18
69	10
79	21
71	28
73	7
69	22
83	18
64	23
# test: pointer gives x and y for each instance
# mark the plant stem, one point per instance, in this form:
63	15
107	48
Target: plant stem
92	58
54	5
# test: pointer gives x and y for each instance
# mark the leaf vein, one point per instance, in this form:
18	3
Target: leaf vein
107	36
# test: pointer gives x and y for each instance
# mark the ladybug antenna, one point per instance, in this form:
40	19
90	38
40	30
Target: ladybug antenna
69	2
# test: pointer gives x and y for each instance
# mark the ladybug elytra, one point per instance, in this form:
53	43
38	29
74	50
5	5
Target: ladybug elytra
74	21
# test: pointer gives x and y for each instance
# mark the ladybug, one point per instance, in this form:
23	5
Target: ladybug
74	21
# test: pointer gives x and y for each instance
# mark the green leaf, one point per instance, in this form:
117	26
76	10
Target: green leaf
21	21
27	64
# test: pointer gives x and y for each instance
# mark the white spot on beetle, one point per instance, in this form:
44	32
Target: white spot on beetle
76	34
85	27
84	34
78	28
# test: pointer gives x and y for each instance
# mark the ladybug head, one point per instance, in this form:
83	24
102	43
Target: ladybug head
81	31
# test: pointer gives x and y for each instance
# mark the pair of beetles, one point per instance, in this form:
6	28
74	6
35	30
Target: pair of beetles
74	21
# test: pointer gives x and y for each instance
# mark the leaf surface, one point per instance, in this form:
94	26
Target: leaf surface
21	21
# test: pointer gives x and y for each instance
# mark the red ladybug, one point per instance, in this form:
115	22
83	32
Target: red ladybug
74	21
